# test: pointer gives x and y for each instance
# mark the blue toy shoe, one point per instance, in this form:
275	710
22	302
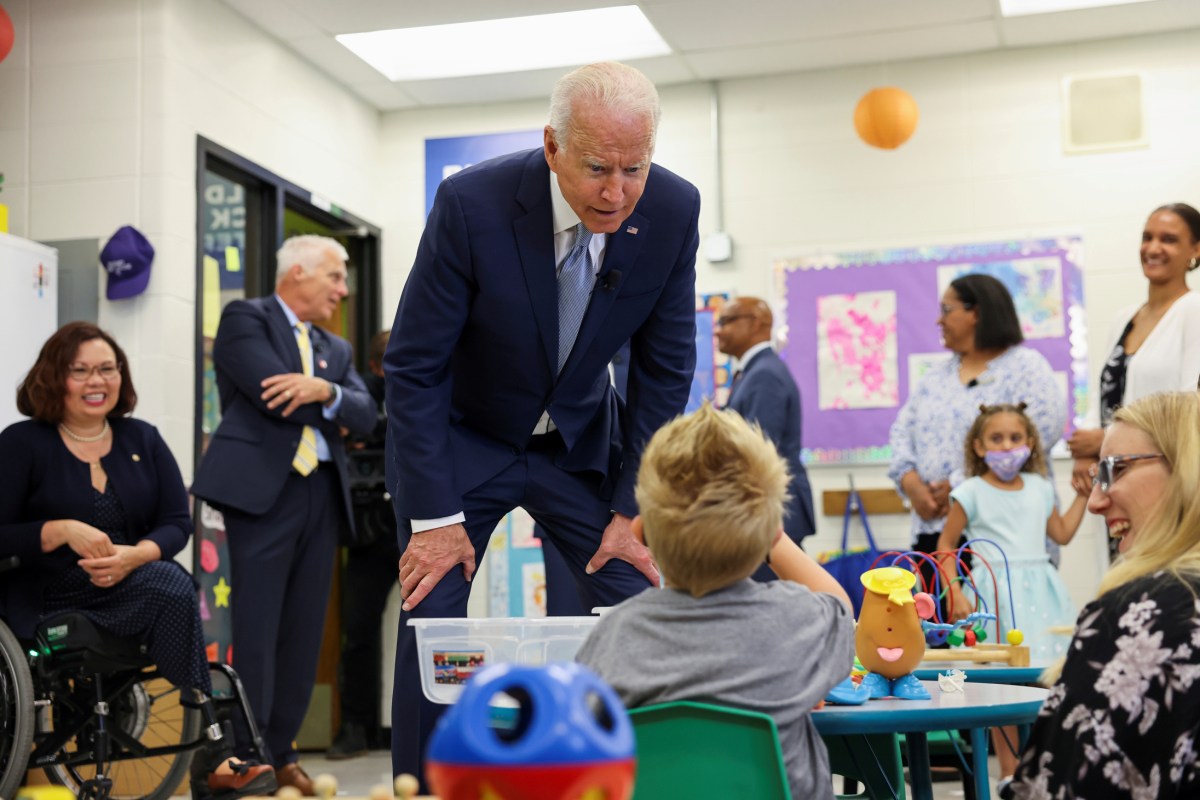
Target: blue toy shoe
909	688
875	685
848	693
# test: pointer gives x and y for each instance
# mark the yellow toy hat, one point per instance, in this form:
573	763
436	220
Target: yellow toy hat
894	582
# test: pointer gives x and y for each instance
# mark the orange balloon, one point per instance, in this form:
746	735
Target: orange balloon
6	34
886	117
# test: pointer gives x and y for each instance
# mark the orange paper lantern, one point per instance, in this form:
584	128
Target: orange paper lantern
6	34
886	117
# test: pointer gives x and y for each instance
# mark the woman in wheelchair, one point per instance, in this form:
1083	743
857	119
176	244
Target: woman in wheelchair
94	507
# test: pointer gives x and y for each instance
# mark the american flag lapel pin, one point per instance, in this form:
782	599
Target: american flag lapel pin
323	364
632	231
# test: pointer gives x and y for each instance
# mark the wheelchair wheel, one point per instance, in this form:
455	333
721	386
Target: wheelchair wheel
16	712
150	713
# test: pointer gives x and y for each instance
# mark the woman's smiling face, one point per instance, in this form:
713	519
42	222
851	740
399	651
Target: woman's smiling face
1136	487
89	399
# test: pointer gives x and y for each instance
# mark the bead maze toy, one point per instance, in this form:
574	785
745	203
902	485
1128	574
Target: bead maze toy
967	637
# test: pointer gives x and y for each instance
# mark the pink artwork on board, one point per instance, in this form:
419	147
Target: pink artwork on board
856	350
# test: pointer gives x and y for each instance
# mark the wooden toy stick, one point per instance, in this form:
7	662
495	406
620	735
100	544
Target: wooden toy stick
1013	655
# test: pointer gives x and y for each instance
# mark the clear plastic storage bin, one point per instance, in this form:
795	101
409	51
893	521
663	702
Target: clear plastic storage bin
450	650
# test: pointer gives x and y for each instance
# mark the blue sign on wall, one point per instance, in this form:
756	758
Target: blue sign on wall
444	157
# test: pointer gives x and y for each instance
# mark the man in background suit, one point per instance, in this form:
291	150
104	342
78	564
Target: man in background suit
765	392
499	395
276	469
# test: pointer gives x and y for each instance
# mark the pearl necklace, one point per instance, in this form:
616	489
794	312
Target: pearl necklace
103	432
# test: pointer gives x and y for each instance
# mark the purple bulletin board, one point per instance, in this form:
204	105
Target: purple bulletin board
861	328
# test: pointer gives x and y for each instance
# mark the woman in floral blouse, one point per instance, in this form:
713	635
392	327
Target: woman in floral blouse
1123	717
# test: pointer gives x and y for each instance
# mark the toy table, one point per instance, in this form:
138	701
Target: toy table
981	673
978	707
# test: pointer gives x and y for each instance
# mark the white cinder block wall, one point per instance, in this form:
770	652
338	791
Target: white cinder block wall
100	104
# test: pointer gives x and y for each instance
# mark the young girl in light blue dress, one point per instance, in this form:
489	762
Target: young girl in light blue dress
1009	501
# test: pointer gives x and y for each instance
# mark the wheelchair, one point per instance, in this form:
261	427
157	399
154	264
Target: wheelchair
91	710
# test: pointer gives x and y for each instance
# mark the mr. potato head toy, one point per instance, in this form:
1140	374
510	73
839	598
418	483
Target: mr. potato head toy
889	640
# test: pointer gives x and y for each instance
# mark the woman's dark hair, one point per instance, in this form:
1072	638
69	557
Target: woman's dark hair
1189	215
998	327
41	394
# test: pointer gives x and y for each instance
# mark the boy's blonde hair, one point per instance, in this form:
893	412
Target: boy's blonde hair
711	490
975	465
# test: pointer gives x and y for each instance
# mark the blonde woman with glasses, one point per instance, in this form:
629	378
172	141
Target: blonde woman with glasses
1122	717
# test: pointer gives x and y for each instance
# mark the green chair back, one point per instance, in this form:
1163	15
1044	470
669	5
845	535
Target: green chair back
870	759
688	749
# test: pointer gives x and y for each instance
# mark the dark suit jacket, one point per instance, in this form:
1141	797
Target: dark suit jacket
43	480
767	394
471	363
250	453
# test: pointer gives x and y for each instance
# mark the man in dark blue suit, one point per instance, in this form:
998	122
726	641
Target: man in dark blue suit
499	394
765	392
276	469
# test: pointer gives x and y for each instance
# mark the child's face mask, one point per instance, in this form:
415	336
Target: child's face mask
1007	463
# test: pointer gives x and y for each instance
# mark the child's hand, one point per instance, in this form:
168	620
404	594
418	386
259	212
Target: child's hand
960	607
1081	479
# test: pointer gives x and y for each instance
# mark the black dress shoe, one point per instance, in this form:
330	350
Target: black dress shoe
350	742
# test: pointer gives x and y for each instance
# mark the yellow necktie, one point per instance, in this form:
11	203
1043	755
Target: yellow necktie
305	460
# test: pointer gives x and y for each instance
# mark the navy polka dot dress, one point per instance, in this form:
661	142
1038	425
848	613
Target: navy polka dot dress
156	603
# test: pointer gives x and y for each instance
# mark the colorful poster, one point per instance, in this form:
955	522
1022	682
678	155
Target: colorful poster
862	328
713	378
1036	287
211	569
533	588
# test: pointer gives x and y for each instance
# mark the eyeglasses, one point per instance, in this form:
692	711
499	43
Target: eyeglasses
723	321
945	309
1107	470
81	372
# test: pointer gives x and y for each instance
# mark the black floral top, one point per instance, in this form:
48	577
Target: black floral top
1112	379
1123	720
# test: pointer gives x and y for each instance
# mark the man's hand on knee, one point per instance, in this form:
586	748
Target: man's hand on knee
430	555
620	542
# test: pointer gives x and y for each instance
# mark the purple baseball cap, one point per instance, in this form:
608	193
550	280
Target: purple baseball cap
127	258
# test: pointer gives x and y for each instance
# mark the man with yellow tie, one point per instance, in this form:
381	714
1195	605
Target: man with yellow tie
276	469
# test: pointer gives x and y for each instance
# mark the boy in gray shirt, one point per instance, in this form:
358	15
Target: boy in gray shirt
711	491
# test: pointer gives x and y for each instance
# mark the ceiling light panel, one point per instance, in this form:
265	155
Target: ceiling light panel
517	44
1020	8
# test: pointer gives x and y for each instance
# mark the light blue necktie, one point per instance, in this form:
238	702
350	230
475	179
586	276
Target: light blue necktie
575	281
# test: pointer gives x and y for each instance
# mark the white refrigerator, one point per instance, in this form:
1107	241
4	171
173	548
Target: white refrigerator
28	313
